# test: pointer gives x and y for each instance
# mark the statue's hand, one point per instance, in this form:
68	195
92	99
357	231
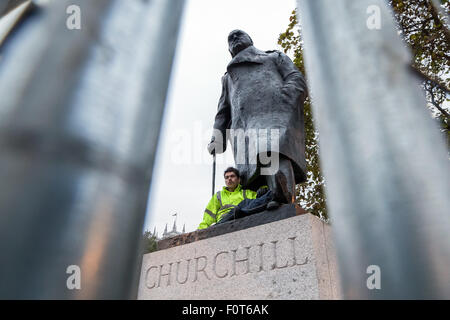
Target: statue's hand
212	147
216	147
287	94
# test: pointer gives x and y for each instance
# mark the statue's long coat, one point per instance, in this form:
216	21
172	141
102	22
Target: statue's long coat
263	90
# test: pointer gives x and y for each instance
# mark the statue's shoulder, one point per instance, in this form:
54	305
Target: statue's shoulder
279	56
275	54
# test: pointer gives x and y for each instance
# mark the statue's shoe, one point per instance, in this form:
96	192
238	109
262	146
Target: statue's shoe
282	193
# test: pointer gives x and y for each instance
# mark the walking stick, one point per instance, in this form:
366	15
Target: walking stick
214	172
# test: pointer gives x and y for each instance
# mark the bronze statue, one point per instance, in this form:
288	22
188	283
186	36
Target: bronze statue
262	96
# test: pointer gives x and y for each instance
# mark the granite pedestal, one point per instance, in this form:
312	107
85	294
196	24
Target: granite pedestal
291	258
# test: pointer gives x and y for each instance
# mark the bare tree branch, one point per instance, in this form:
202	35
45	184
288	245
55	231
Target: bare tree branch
432	79
437	20
429	88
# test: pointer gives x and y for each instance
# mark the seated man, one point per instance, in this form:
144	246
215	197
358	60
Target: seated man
233	202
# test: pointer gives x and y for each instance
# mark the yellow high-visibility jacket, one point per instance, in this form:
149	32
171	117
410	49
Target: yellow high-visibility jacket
222	202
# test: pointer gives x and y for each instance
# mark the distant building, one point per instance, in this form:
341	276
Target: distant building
168	234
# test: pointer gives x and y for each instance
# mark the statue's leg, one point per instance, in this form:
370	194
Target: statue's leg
282	183
288	171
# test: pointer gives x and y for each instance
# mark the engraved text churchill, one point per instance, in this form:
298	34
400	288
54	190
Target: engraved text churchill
265	256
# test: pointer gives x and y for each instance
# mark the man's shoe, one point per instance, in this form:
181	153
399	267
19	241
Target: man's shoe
272	205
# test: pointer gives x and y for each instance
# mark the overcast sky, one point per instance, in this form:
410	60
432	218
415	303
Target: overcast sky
182	176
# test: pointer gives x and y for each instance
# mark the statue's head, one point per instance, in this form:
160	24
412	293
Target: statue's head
238	40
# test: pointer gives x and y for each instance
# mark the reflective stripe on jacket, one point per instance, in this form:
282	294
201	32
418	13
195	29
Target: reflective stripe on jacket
222	202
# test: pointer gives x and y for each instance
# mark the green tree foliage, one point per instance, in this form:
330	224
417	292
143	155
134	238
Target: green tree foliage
424	30
149	242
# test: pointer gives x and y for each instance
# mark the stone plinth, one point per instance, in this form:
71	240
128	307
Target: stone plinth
283	212
291	258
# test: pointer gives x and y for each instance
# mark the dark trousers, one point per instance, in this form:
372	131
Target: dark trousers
248	207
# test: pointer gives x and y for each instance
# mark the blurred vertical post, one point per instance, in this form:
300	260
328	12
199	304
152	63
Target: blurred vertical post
385	164
2	7
10	13
83	87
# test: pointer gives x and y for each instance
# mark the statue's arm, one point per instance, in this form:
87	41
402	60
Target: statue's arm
294	88
223	119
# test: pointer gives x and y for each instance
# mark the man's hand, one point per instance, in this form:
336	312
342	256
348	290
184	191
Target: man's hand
261	191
